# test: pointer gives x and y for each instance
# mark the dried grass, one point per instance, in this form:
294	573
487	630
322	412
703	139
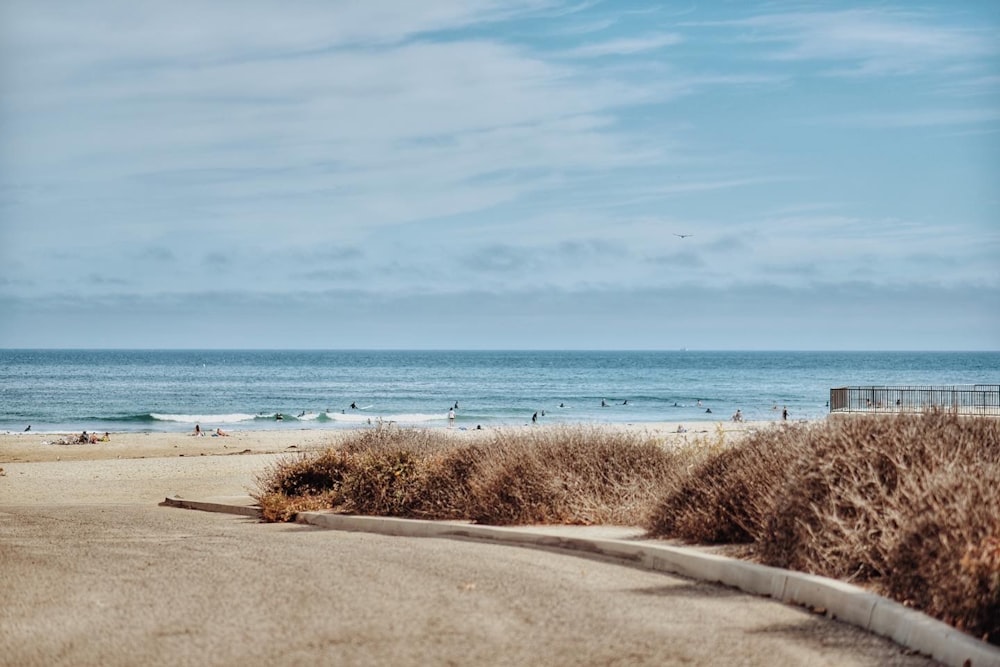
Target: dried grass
571	475
908	505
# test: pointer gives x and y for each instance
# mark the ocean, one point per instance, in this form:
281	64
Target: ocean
171	390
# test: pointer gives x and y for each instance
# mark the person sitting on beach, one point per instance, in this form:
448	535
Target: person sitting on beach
737	416
681	429
219	432
84	438
93	439
106	438
197	430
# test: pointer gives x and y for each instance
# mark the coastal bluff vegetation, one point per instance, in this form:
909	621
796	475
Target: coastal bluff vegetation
907	506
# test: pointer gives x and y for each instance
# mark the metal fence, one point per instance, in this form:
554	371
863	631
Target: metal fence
976	399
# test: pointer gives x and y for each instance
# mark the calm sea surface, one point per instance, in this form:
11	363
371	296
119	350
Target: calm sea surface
164	390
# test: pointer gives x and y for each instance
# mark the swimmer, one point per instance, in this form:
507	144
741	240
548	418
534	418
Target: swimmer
354	406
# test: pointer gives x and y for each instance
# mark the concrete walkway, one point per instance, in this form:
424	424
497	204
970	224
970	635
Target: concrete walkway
832	598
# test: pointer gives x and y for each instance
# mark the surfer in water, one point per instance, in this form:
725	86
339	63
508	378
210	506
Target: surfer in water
354	406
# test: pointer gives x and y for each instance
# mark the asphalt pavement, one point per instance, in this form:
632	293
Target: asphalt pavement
130	584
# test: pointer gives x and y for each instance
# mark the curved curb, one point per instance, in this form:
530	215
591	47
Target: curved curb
240	505
836	599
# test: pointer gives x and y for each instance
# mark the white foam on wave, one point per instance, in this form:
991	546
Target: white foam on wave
211	419
412	418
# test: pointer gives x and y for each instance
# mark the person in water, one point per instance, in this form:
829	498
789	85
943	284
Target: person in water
354	406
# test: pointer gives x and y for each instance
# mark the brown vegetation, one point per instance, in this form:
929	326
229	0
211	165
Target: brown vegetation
570	475
907	505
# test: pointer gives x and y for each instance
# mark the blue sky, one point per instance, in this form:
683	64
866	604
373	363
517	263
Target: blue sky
463	174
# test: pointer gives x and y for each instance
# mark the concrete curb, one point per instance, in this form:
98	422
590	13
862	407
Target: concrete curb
241	505
836	599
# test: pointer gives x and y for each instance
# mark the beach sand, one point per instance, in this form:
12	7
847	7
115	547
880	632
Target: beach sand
145	468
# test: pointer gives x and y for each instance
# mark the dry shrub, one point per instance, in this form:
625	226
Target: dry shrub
383	483
446	483
277	507
859	485
415	473
909	505
571	475
724	496
305	474
943	550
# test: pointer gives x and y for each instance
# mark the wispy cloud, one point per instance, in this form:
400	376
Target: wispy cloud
625	46
867	41
916	118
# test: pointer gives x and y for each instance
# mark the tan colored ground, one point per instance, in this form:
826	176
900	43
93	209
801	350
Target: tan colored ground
95	572
37	447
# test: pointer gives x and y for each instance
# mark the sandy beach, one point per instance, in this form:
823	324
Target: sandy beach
38	447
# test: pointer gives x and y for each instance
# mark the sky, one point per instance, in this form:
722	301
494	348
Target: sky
477	174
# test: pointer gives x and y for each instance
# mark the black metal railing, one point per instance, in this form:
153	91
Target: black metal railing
977	399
